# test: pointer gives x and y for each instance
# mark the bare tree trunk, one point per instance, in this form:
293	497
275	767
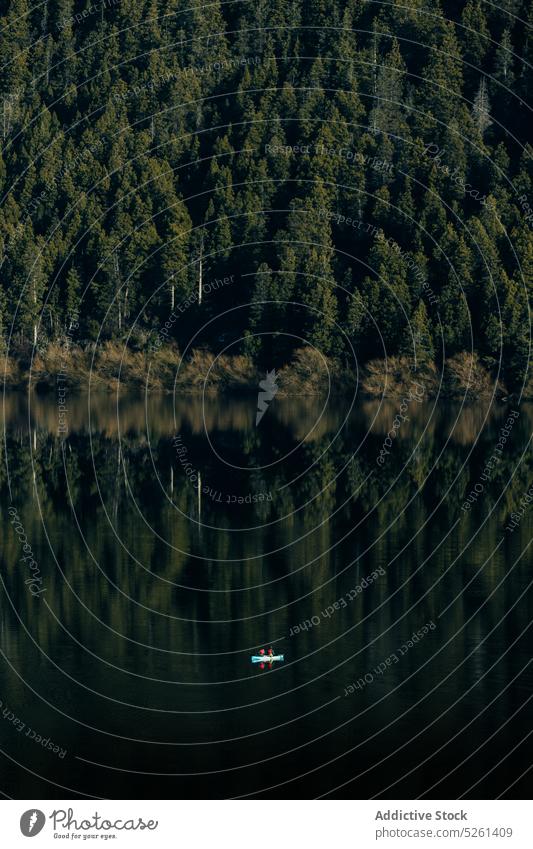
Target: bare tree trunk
200	273
126	293
118	281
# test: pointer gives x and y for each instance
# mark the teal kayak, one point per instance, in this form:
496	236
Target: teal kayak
258	658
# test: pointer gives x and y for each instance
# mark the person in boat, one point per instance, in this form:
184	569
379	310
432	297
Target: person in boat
270	652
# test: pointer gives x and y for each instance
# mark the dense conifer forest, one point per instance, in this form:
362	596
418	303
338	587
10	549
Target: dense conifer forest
257	177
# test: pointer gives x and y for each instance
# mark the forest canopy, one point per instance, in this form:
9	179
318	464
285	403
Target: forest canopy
359	171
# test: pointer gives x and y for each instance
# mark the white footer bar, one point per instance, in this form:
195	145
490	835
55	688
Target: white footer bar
268	824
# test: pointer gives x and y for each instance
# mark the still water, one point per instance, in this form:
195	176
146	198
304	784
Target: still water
168	540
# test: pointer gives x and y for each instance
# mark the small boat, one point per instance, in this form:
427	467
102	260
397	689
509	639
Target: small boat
266	658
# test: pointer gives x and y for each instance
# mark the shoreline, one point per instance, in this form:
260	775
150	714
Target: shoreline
111	366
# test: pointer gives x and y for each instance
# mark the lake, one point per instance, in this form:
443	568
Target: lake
150	546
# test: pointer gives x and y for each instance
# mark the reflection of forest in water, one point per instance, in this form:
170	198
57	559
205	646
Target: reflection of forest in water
326	498
196	593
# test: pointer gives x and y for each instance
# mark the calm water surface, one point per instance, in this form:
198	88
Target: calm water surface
173	539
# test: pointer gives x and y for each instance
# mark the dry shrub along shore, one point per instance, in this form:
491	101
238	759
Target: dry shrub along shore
308	373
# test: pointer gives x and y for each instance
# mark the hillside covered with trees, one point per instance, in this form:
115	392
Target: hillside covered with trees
257	177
